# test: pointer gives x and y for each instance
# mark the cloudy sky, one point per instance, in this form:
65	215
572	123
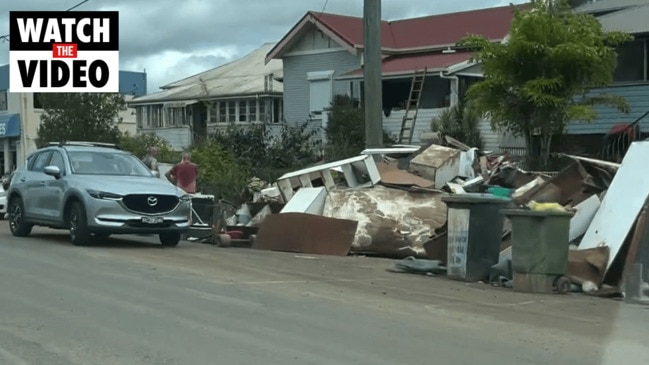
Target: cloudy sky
173	39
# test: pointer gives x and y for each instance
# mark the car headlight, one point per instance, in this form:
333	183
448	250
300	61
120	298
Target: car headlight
185	198
103	195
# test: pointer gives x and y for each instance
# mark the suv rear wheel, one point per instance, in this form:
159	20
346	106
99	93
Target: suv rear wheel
79	233
16	217
170	239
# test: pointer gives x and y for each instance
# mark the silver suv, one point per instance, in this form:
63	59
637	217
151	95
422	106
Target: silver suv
95	190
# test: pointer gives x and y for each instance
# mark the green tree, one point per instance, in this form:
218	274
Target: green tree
139	144
460	122
91	117
541	77
346	129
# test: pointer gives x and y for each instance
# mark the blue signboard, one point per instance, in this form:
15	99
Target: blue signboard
9	125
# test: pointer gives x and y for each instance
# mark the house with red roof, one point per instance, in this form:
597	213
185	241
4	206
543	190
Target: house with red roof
322	57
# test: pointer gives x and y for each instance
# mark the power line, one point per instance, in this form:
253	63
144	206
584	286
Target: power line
5	38
324	6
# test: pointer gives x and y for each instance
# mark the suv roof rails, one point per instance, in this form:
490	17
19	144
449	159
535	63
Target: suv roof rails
84	144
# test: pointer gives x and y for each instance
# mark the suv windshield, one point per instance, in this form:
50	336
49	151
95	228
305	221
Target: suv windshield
106	163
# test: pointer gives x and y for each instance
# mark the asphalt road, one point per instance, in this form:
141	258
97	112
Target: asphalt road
129	302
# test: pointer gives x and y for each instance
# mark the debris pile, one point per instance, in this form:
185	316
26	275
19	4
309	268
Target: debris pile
389	202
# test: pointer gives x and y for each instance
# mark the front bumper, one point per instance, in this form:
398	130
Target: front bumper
110	216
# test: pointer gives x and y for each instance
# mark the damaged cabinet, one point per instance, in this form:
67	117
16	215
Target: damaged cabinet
438	164
354	169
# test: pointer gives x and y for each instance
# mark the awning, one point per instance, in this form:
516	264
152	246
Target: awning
179	104
407	65
9	125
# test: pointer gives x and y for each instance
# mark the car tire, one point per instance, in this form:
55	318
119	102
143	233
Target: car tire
79	233
16	218
169	239
101	235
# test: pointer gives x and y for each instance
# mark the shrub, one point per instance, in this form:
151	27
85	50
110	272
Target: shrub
219	172
346	130
139	144
460	122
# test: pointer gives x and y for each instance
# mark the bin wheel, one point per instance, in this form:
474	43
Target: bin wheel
562	285
253	238
225	240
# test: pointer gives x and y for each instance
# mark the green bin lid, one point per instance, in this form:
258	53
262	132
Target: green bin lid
535	213
475	198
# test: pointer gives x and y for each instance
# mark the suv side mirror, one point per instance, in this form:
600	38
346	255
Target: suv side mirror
53	171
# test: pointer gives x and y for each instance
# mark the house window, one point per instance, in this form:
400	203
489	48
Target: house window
175	116
243	111
238	111
262	110
149	116
278	110
232	111
3	100
320	92
223	113
631	62
141	114
36	101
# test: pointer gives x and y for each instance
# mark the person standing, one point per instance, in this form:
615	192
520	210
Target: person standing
184	174
151	158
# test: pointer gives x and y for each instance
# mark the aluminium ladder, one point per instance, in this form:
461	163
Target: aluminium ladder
408	122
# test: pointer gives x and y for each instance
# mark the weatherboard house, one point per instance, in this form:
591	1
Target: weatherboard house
245	91
322	56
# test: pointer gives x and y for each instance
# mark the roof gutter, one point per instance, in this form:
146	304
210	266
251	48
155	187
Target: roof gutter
425	49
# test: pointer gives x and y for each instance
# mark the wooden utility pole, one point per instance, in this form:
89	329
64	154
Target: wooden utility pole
373	102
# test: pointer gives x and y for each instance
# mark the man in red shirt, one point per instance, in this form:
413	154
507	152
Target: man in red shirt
184	174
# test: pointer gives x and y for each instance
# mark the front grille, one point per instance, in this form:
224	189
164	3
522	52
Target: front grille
140	203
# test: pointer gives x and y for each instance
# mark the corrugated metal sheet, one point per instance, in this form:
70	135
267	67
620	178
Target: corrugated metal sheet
633	20
608	5
638	98
245	76
440	29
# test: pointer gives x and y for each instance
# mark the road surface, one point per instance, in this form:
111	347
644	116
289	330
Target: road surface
129	302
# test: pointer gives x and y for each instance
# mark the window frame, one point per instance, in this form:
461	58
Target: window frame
645	63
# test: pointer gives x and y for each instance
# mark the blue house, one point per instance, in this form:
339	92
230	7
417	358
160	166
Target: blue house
631	79
20	116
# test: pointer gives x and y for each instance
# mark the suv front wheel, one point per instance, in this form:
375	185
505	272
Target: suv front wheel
16	217
77	219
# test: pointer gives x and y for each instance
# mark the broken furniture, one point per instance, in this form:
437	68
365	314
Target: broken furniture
475	228
438	164
352	168
540	250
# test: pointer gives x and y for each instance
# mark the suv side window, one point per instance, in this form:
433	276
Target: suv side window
41	161
58	161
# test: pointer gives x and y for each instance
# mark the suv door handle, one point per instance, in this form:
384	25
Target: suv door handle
23	179
43	183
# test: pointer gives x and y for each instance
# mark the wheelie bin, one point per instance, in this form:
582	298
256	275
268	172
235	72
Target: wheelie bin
540	247
474	234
